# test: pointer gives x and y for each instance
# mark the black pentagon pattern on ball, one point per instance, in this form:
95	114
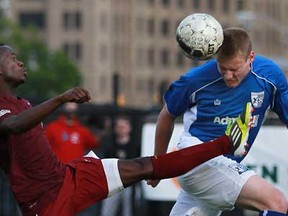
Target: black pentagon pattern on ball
183	45
188	51
198	54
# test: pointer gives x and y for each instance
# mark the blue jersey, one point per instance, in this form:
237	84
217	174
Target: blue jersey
207	104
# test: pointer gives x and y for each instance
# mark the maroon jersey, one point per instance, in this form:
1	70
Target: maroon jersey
34	172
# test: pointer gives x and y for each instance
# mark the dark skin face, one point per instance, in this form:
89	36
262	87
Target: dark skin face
12	71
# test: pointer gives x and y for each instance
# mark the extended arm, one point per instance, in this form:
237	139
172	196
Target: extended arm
28	119
164	130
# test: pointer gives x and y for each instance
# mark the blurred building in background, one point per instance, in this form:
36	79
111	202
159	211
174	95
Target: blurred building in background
126	49
127	53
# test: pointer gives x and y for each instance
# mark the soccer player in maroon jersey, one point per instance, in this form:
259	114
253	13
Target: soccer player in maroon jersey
42	185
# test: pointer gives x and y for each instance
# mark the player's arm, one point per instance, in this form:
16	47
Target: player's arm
28	119
164	130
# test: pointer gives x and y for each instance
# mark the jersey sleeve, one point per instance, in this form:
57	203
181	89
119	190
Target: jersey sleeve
5	109
281	98
181	94
177	97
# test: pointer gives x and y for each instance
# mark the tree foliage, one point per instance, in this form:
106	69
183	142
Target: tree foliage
49	72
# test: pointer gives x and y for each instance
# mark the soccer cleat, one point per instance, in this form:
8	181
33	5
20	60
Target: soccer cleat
238	131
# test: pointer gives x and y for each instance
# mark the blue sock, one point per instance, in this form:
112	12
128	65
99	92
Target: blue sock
271	213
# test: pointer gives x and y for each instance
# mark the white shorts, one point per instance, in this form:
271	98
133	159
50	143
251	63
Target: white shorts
211	187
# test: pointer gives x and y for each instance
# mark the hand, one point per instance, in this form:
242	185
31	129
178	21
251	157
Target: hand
152	183
77	94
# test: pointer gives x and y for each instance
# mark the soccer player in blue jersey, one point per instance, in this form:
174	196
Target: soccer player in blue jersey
208	96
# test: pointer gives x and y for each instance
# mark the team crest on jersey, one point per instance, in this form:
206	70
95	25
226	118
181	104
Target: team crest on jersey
238	168
4	111
257	99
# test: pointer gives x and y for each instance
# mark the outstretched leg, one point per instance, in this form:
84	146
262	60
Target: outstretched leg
179	162
172	164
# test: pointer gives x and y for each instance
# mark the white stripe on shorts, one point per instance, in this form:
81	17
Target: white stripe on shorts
112	175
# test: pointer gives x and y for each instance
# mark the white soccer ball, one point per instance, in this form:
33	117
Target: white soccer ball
199	36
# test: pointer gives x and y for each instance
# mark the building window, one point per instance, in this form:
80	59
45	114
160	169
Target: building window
140	57
196	4
72	20
103	53
103	22
73	51
151	86
225	6
117	53
103	81
116	23
181	3
165	27
165	3
139	25
165	57
140	85
151	26
32	18
180	59
151	2
211	4
240	5
151	57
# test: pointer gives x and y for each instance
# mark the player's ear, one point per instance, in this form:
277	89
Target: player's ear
251	57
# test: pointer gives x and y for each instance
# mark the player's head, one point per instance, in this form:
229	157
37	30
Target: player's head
12	71
236	42
70	110
235	56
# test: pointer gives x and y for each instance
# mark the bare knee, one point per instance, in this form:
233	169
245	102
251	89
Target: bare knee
258	194
277	202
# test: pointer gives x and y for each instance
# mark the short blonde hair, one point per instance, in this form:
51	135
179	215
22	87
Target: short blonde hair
236	42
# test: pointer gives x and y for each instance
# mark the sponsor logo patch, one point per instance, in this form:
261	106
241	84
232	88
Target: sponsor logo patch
238	168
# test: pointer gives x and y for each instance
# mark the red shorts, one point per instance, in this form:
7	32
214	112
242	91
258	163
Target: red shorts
85	183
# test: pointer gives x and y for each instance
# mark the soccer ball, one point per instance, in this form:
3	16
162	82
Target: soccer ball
199	36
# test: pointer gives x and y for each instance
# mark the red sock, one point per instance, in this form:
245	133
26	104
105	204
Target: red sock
179	162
